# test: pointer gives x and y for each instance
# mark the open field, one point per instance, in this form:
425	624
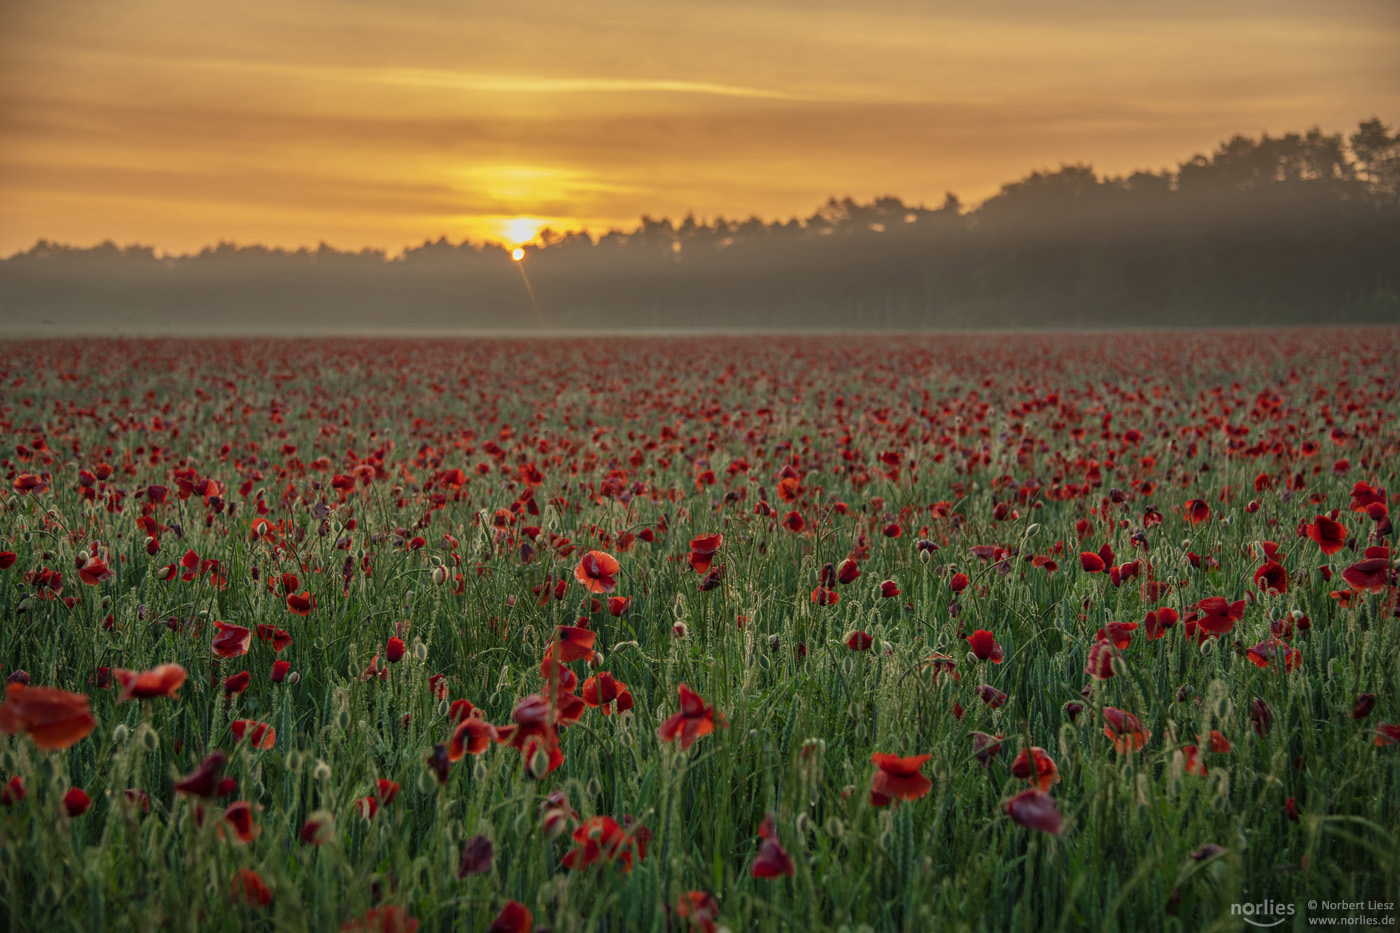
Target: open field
279	615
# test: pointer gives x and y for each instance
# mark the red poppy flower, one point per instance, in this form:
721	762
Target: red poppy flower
94	571
279	637
1036	766
602	839
239	818
1271	577
1261	716
991	696
1330	536
237	683
1364	495
1197	511
847	571
478	855
1264	653
699	908
575	643
1365	702
53	719
1371	575
1091	562
694	720
941	664
602	691
249	888
471	736
301	603
1120	633
859	641
959	582
984	645
394	650
161	681
318	829
76	802
1217	615
26	483
391	918
897	777
1124	729
1387	734
514	917
231	640
702	551
597	571
794	522
260	734
204	780
1100	663
889	589
13	791
617	605
1156	622
985	747
772	860
1035	809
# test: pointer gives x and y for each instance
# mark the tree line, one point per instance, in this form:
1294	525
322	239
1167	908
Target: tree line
1292	229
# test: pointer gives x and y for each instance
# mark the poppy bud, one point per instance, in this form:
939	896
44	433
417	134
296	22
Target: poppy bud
439	575
680	630
343	720
120	733
322	771
293	677
420	650
539	764
148	738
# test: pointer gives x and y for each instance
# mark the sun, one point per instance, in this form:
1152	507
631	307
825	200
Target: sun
517	254
521	230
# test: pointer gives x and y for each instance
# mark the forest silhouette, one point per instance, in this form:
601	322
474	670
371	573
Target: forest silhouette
1302	228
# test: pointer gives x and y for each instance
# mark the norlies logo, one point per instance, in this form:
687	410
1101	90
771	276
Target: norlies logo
1266	913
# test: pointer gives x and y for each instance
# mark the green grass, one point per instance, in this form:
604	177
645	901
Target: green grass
949	860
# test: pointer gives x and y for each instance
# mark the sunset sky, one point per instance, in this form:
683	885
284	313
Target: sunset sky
181	124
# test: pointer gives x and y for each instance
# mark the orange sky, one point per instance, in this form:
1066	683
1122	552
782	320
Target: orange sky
289	122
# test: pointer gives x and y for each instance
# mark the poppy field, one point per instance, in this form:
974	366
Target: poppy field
1013	632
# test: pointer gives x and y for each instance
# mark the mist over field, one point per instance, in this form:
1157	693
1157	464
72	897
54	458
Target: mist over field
1302	228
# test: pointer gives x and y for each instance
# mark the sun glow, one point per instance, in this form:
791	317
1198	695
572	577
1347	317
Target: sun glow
521	230
517	254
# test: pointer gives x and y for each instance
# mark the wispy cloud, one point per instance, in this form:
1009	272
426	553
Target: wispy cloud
499	83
